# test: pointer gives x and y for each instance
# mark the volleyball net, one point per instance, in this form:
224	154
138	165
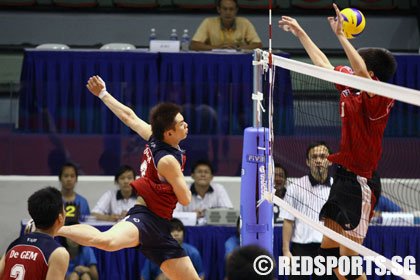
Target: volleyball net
316	117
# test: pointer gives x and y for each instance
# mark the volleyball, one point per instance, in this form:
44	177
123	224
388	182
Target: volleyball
353	22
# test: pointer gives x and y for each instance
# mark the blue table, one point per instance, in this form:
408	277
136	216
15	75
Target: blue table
209	240
214	90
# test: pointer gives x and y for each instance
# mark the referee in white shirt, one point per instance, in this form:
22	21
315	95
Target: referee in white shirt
307	194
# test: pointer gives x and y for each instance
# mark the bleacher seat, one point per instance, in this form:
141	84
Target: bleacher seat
136	3
118	47
76	3
373	4
53	46
17	3
256	4
195	4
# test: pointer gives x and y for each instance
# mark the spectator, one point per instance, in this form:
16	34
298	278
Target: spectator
280	178
114	204
240	265
82	260
151	272
233	242
75	204
308	194
204	194
226	31
46	209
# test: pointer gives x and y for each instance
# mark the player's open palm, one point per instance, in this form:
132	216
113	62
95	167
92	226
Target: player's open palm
336	23
95	85
290	24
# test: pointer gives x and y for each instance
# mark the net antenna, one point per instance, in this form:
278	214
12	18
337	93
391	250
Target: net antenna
380	88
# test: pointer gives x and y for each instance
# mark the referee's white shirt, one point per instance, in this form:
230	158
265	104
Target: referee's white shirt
307	196
216	197
112	202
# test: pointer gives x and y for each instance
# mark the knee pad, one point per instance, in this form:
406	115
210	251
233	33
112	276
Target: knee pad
351	276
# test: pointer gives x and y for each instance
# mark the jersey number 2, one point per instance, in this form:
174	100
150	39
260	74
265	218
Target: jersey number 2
18	272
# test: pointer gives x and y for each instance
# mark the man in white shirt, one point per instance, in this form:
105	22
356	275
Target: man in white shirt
205	194
307	194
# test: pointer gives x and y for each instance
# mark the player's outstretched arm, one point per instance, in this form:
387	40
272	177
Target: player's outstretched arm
97	86
318	58
58	264
169	168
357	63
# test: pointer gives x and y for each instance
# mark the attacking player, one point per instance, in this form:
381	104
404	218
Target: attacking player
37	255
364	117
160	186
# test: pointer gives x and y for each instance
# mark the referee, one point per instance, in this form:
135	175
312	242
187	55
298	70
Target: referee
307	194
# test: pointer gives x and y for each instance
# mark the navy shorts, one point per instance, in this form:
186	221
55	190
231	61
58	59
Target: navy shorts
347	199
156	241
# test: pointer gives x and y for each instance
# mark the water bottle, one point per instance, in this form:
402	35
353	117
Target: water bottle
185	42
152	34
174	36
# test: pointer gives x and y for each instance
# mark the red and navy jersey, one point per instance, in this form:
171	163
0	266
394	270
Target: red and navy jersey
27	257
156	192
364	121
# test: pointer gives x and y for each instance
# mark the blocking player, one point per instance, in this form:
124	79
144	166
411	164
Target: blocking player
364	117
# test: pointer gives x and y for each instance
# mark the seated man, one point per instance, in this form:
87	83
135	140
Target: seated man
151	272
204	194
226	31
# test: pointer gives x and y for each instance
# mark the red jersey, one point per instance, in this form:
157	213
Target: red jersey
27	257
156	192
364	121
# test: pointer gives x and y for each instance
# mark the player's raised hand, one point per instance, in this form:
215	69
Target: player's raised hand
96	85
336	22
290	24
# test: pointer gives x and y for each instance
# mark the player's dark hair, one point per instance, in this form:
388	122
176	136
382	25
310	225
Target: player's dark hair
316	144
66	165
219	2
202	162
380	61
278	165
240	265
44	206
123	168
162	118
176	224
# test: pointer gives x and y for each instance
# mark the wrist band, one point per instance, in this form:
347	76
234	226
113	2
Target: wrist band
103	93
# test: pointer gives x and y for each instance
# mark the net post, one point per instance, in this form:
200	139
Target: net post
256	222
